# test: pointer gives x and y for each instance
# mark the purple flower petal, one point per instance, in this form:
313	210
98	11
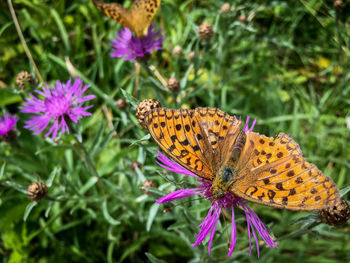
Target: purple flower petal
61	103
246	127
229	201
7	123
131	47
179	194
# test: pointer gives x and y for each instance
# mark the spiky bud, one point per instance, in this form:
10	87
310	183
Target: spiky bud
149	184
242	18
191	55
143	108
225	8
337	4
335	215
205	31
121	104
173	84
24	77
177	51
37	191
134	165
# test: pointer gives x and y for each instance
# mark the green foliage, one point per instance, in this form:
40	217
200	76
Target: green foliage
287	64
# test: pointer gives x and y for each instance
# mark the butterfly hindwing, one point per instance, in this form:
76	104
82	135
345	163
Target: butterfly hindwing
274	173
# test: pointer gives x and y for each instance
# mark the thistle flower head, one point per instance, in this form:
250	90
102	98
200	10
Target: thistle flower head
7	124
61	103
131	47
227	202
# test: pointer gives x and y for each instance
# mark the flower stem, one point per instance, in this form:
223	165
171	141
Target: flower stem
21	37
87	160
89	164
158	75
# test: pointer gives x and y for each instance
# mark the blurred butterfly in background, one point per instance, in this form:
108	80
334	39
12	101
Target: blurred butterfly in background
265	170
137	19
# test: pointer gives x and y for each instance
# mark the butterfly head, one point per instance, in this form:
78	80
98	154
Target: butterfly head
221	183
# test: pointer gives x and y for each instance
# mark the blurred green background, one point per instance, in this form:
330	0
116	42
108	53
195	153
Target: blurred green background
285	62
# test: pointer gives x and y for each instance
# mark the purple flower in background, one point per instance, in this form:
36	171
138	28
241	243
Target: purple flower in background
229	201
131	47
7	124
60	104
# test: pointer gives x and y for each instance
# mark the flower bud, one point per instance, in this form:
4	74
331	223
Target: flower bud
37	191
177	51
24	77
134	165
149	184
243	18
143	108
121	104
191	55
205	31
173	84
225	8
338	4
335	215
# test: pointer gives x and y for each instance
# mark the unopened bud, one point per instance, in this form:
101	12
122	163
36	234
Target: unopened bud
205	31
143	108
24	78
191	55
173	84
134	165
37	191
148	184
338	4
122	104
177	51
243	18
225	8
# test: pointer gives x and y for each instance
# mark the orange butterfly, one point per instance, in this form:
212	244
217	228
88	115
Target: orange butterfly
265	170
137	19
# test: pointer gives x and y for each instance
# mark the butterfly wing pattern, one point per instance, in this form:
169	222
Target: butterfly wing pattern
193	138
273	172
142	12
137	19
269	171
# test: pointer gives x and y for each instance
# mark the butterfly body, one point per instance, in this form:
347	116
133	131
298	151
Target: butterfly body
265	170
137	19
221	182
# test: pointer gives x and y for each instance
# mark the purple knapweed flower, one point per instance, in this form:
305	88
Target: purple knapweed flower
131	47
60	104
7	124
229	201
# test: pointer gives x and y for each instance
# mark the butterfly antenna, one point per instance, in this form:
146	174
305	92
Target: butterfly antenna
182	203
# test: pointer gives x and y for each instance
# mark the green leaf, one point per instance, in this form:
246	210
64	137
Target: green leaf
29	208
107	216
56	171
153	259
152	214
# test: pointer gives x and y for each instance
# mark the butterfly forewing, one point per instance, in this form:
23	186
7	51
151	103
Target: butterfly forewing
117	12
184	135
273	172
221	129
143	12
137	19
